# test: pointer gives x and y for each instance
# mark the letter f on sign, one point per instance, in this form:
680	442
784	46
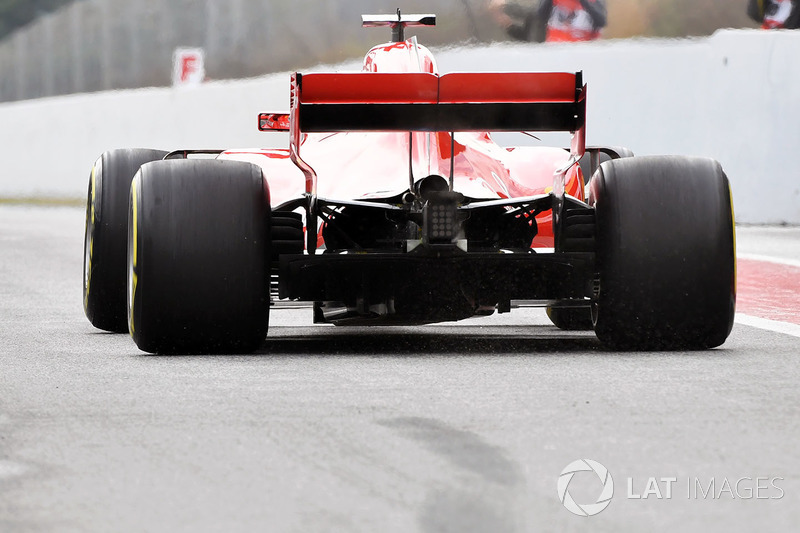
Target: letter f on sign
188	67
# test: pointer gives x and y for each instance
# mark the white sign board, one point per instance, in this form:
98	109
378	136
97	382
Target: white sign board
188	66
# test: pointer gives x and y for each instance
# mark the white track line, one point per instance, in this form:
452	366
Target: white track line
770	325
770	259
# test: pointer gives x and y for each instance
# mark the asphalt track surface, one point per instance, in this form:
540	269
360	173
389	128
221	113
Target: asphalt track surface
464	427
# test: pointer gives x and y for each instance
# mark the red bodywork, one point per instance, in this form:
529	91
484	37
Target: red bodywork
375	164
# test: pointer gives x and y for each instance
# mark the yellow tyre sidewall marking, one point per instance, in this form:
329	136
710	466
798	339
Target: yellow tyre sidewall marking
134	278
90	230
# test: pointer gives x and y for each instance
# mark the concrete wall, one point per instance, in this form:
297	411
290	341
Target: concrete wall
734	96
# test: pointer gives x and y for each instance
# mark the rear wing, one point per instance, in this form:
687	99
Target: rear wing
518	101
368	101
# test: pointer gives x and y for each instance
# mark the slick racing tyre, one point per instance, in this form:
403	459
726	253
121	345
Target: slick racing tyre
665	253
199	257
106	236
571	318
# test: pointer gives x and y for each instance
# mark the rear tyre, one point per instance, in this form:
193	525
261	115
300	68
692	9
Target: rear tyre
105	238
665	253
570	318
198	257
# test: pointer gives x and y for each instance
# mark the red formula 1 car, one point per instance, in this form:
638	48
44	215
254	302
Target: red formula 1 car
393	205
